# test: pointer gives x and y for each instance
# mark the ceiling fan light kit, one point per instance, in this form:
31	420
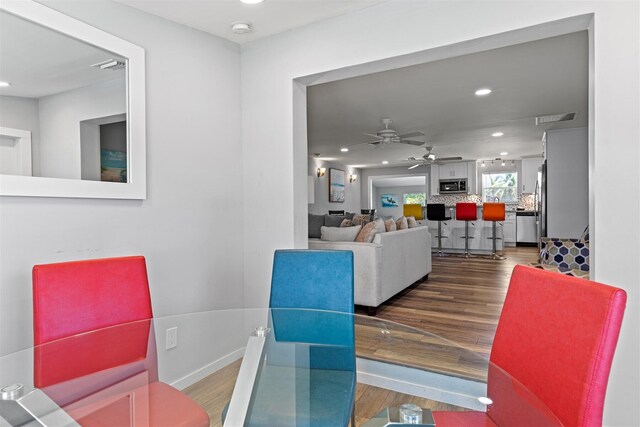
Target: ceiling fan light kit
431	158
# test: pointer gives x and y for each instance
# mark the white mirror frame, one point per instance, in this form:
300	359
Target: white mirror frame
136	185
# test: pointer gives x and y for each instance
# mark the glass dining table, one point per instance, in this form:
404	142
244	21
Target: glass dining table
266	367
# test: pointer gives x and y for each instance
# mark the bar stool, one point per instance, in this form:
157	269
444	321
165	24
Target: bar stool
494	212
466	212
436	212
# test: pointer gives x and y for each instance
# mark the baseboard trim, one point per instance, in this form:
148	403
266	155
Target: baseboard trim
417	382
208	369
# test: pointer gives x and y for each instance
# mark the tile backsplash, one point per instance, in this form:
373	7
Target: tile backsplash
525	201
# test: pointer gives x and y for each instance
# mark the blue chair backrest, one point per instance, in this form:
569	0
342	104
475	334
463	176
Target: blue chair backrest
321	280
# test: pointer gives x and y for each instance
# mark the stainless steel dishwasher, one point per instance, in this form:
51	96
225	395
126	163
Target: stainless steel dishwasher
526	228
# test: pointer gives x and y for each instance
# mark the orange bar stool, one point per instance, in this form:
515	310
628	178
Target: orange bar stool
494	212
466	212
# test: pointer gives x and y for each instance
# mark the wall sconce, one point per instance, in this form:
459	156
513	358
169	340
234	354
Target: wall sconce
321	172
353	178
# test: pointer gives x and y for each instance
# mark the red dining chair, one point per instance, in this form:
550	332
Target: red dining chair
95	350
555	338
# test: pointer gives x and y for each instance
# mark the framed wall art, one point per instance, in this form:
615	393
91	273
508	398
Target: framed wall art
336	185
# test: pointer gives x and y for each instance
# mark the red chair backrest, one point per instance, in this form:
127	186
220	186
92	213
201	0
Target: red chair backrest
73	298
557	335
466	211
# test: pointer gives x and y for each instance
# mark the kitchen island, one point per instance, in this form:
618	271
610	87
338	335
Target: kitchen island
480	233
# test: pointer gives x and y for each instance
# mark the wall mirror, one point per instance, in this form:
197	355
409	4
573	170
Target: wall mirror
72	112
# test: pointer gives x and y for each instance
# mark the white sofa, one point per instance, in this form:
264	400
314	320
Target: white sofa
391	263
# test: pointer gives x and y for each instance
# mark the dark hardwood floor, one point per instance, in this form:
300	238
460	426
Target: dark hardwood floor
461	302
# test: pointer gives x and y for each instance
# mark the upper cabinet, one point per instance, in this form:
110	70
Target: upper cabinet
529	174
434	180
453	170
472	182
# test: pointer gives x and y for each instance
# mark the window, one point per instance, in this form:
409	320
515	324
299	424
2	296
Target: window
500	187
414	198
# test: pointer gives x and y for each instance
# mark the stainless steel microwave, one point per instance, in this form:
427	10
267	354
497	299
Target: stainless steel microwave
453	186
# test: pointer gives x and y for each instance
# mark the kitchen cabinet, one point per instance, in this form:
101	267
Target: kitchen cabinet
453	170
434	180
509	229
471	178
529	174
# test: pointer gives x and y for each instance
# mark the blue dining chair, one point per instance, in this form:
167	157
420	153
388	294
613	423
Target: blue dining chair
319	280
319	343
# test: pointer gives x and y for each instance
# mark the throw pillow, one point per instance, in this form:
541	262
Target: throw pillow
349	215
346	223
390	225
360	219
411	222
315	222
337	234
367	233
401	223
333	220
380	225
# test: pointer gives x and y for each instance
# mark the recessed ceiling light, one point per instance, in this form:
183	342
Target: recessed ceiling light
251	1
504	153
497	134
240	27
4	84
385	162
344	150
483	92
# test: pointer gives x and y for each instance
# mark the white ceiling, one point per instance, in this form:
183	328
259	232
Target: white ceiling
543	77
38	61
267	18
401	181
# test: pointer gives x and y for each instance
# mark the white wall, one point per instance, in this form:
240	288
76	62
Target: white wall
399	191
369	173
321	203
22	113
268	95
194	192
60	117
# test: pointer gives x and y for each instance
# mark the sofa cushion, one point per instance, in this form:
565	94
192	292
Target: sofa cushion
315	222
338	234
411	222
380	225
346	223
349	215
401	223
361	219
390	225
367	233
333	220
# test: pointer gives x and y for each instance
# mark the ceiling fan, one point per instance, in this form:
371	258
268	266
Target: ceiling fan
390	136
431	158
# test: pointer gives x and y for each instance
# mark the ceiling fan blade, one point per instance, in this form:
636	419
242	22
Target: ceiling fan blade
411	135
371	135
409	142
414	166
446	159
